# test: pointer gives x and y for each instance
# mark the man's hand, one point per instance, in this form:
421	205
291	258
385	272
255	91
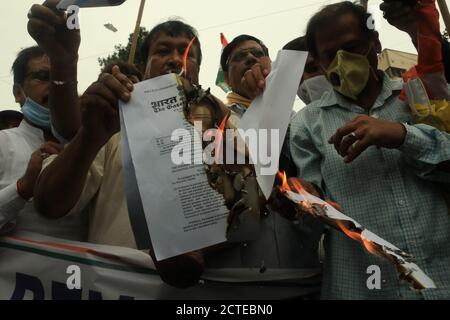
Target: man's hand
48	26
27	182
364	131
182	271
254	80
402	15
99	106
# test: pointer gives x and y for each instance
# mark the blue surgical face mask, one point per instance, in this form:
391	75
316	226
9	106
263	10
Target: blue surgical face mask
36	114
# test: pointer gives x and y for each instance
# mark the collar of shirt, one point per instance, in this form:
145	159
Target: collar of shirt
29	130
333	98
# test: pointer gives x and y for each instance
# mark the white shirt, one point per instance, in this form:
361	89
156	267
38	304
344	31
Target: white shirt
16	147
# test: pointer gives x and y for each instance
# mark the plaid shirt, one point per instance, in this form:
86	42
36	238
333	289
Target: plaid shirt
393	192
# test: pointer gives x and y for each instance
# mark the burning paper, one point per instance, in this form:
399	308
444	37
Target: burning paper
322	210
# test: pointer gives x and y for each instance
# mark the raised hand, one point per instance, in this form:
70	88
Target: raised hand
48	27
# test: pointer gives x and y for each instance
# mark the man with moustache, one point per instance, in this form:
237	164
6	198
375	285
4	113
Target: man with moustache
88	172
23	149
282	244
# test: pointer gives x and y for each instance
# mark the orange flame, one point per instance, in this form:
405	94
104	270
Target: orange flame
297	187
220	137
357	237
186	53
351	234
284	186
223	40
370	246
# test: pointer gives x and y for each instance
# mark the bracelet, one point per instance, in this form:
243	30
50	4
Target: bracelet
62	83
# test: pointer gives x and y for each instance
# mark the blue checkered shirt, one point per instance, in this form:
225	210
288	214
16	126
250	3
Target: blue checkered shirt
396	193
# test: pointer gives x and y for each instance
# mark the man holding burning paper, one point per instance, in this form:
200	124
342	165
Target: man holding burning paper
356	143
90	174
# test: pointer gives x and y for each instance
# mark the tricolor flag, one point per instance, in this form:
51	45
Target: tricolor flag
220	80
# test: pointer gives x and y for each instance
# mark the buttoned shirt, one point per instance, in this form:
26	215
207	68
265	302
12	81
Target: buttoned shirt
396	193
16	147
281	263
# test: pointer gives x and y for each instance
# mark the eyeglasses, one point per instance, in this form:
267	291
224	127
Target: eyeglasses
241	55
42	75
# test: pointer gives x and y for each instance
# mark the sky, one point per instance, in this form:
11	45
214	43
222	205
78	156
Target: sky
274	22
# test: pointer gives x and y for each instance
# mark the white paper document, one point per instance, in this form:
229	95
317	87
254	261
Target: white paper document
272	111
335	214
173	205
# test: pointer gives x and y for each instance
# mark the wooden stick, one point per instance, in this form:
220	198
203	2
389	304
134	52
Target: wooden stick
445	13
364	3
136	33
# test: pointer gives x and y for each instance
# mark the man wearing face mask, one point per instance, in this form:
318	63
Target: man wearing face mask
23	149
356	143
313	83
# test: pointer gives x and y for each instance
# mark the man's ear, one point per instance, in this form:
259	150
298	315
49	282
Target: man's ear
18	93
376	39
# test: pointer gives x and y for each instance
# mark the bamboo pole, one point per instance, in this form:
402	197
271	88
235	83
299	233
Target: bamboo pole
136	33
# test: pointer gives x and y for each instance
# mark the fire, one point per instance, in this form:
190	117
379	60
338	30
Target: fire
186	53
370	246
220	132
351	234
285	186
223	40
298	188
357	237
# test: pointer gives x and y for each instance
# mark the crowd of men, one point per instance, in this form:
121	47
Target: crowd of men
355	143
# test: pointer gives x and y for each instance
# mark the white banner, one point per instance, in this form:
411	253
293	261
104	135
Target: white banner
37	267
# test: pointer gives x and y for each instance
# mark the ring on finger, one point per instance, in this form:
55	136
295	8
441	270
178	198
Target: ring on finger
44	155
352	135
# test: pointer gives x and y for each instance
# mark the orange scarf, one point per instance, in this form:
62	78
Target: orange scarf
233	98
